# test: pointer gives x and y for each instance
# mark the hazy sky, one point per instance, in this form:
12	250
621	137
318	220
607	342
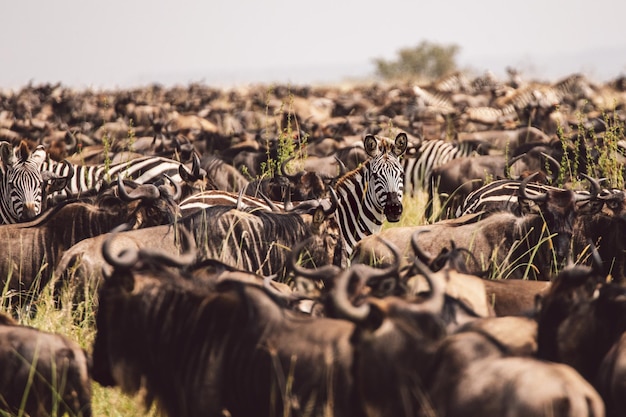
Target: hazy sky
121	43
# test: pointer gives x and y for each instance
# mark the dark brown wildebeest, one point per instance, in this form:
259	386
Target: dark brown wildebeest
42	373
475	375
533	244
32	249
244	352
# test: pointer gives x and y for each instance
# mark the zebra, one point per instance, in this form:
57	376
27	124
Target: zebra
22	180
419	163
373	192
88	179
209	198
503	195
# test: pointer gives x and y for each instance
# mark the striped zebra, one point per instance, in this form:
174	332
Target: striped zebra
210	198
503	195
22	180
88	179
420	162
373	192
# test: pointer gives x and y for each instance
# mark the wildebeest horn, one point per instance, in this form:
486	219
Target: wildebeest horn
70	140
556	165
126	259
342	167
334	202
323	273
195	166
524	194
196	173
240	205
269	202
434	303
342	302
283	171
417	250
363	273
178	191
276	294
514	160
144	191
596	188
185	258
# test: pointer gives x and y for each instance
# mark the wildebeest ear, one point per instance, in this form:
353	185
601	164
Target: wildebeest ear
6	155
371	145
400	144
318	217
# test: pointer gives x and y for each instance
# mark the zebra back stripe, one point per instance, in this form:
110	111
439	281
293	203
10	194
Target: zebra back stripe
89	178
211	198
418	168
499	195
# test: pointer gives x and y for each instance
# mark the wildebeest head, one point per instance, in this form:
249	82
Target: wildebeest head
580	317
558	209
386	174
144	205
401	333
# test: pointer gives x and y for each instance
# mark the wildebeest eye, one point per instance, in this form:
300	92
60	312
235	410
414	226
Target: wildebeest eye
613	205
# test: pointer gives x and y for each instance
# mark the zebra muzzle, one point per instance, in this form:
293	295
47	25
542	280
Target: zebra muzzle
29	211
393	208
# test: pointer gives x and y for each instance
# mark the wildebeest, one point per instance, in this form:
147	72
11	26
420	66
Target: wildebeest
253	239
244	353
533	244
475	375
32	249
42	373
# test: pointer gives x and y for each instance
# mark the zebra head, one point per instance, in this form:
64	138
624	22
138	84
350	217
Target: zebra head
22	182
385	177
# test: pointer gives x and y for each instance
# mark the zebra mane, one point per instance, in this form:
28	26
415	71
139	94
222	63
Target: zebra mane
351	174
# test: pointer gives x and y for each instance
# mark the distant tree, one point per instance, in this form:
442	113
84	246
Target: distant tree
426	60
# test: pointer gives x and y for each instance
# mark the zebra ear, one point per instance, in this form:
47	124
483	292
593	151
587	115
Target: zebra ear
400	144
23	153
371	145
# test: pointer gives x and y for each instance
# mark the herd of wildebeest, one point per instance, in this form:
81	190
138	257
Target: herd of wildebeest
240	255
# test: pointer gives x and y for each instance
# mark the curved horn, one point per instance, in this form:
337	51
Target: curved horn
144	191
596	188
524	194
269	202
126	259
372	273
70	140
434	303
276	294
195	166
283	172
342	167
554	164
178	191
341	301
185	258
417	250
323	273
334	202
